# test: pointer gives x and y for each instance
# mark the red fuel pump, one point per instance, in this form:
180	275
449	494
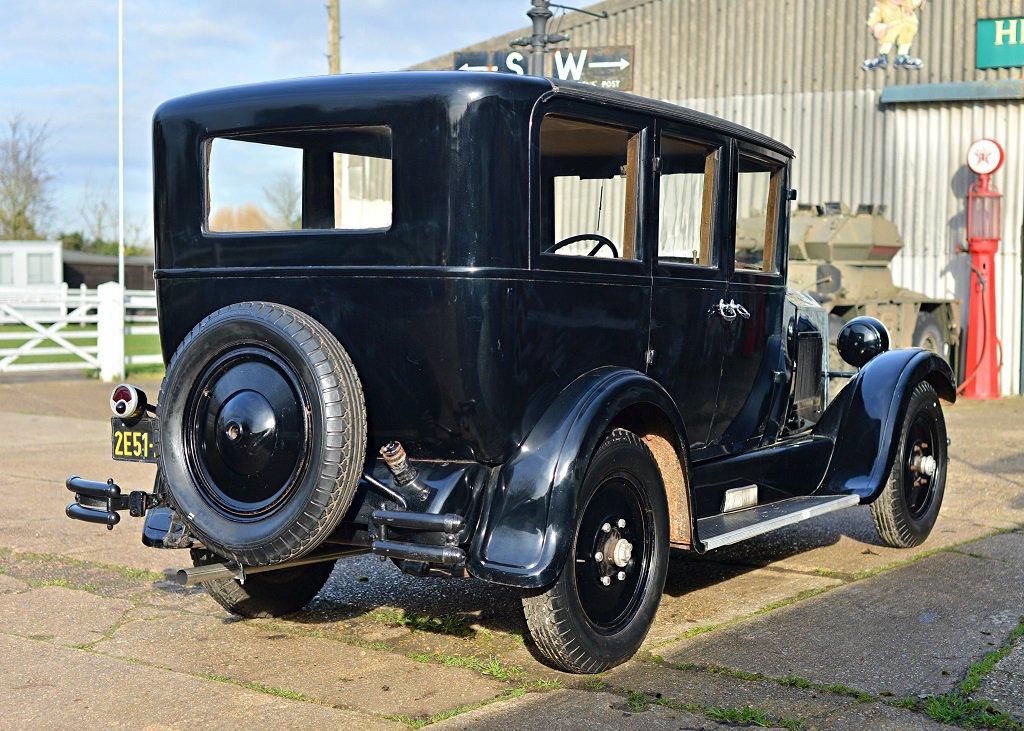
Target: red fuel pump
984	228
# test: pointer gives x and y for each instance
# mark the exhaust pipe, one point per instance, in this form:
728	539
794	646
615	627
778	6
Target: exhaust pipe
220	571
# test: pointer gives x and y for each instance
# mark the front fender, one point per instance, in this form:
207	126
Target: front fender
529	514
865	419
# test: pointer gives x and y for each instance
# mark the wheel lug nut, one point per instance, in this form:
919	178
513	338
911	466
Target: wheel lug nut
607	528
621	523
622	576
606	580
599	556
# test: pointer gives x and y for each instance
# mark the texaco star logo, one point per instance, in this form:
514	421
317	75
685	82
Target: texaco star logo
985	157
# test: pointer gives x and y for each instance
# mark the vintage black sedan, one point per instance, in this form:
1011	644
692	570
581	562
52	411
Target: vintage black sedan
502	332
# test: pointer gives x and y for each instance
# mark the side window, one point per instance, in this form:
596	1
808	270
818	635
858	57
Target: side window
589	176
686	202
300	179
40	269
758	197
6	268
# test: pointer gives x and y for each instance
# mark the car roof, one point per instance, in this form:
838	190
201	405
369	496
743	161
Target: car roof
457	86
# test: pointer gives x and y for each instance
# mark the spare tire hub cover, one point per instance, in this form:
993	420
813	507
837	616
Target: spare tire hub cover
247	432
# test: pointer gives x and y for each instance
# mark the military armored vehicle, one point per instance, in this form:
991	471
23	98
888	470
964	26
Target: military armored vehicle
842	260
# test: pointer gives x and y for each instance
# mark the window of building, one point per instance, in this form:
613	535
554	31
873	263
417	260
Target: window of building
758	197
686	202
40	269
300	179
6	269
589	187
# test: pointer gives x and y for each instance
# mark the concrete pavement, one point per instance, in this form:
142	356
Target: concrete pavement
816	626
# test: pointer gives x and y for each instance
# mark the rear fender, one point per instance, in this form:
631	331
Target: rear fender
864	420
529	513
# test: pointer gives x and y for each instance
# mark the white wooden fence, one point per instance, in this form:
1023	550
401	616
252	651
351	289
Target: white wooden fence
75	329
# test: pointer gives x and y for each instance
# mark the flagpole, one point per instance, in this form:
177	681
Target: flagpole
120	161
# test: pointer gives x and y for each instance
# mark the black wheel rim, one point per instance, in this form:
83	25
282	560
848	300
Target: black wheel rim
611	589
920	464
247	432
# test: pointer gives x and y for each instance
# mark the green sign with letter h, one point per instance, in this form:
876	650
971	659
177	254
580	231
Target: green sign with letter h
1000	43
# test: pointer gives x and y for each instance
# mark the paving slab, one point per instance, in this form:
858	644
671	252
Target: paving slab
912	630
322	670
1004	685
43	451
879	717
9	584
587	710
710	689
45	686
696	586
68	616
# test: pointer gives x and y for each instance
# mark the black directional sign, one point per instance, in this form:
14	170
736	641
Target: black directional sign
610	67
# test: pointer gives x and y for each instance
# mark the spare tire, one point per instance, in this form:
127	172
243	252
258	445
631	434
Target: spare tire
263	432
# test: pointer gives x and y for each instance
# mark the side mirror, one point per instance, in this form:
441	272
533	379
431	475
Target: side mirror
861	339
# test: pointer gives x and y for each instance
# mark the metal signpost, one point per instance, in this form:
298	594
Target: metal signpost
610	67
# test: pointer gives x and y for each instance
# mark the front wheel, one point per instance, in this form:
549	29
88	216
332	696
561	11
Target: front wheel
600	608
909	504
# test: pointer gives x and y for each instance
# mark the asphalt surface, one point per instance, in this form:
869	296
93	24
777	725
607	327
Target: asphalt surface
815	626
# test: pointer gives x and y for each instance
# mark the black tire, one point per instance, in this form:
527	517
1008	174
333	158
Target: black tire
575	626
263	432
267	594
906	511
928	335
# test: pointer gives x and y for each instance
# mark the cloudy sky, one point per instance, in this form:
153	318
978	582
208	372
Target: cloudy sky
58	66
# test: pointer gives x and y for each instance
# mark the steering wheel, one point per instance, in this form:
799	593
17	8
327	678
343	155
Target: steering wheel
602	241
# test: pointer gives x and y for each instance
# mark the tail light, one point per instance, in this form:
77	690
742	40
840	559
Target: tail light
127	402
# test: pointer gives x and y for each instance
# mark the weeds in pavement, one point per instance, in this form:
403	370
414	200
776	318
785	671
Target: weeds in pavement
958	708
448	624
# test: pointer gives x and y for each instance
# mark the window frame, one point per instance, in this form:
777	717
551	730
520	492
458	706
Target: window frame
9	256
642	125
719	192
206	147
776	242
51	276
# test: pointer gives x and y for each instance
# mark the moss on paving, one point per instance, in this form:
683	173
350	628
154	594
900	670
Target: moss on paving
638	701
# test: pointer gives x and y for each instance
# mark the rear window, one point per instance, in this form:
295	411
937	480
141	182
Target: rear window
289	180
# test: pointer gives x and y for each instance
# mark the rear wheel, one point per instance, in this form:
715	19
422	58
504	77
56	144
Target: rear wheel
267	594
906	511
600	608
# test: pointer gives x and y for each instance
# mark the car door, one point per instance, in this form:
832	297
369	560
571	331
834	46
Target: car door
753	362
687	330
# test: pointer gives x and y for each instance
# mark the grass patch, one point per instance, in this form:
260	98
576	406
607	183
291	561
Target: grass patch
745	716
958	708
420	722
448	624
492	667
258	687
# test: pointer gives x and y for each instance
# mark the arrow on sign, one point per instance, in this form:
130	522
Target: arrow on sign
467	67
620	64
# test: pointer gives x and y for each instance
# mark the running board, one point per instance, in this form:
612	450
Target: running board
728	528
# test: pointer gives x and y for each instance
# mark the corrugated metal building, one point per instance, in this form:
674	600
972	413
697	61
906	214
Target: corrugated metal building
791	69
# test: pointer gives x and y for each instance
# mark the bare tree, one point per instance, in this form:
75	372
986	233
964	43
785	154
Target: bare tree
98	211
284	199
24	179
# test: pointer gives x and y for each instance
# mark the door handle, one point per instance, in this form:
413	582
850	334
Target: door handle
730	310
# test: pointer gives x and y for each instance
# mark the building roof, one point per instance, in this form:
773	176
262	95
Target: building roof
87	257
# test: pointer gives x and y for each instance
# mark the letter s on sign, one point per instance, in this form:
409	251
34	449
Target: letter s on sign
514	63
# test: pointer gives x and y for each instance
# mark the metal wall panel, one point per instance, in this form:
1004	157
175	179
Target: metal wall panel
791	69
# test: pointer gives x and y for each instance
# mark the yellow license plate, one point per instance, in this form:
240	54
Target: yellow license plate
134	442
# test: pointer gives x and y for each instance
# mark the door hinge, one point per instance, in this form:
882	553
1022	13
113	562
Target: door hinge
649	357
656	164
